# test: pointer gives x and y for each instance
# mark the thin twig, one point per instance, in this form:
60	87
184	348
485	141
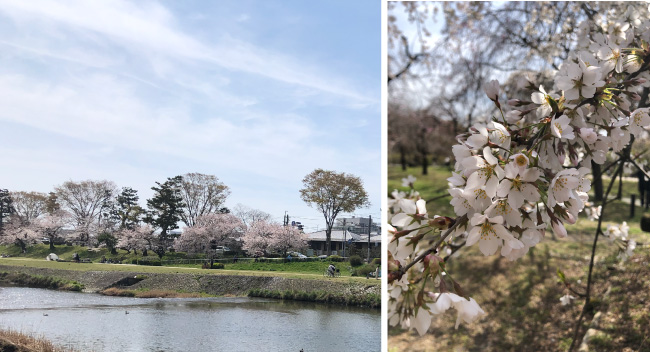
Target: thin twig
621	161
421	257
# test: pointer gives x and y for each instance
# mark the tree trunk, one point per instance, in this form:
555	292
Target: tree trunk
51	243
402	157
23	246
619	196
425	164
144	252
598	181
328	240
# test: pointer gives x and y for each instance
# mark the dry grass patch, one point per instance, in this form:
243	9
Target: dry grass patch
11	340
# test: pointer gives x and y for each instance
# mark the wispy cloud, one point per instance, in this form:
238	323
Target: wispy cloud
132	92
148	27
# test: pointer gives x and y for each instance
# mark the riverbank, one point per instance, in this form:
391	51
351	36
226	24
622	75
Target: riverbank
205	282
14	341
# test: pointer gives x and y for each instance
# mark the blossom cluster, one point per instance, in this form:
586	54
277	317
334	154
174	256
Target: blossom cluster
619	235
526	169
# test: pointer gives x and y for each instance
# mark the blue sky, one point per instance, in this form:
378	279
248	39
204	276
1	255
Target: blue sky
258	93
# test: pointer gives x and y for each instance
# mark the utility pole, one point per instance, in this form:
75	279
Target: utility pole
369	228
286	218
345	231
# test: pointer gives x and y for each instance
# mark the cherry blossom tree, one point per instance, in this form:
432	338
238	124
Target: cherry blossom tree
50	225
526	169
16	232
263	238
140	237
258	236
208	231
286	238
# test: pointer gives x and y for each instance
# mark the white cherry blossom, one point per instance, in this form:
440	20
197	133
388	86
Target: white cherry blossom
562	185
580	81
544	100
490	234
561	129
518	187
566	299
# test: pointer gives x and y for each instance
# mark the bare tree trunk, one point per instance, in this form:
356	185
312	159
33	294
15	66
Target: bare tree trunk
328	240
425	164
402	157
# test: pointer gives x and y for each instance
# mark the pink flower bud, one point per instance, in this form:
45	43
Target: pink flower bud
492	89
559	229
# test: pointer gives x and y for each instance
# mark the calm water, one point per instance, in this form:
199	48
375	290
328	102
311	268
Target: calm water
90	322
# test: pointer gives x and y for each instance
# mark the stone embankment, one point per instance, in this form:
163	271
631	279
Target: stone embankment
220	285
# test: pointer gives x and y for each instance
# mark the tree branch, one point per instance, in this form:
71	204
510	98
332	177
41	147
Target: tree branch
459	221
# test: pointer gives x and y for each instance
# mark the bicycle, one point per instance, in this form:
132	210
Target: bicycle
336	273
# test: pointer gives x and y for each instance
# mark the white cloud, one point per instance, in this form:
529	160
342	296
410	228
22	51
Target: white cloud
151	30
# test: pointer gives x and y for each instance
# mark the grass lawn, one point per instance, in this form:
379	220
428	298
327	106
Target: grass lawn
317	267
522	298
38	253
41	263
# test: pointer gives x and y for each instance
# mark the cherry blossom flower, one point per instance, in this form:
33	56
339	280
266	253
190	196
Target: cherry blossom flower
520	161
580	81
485	171
544	100
502	208
477	140
558	228
566	299
562	185
460	202
492	89
588	135
612	58
412	216
518	186
422	321
468	310
408	181
490	234
560	128
500	135
638	120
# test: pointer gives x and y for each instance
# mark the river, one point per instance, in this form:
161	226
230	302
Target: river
92	322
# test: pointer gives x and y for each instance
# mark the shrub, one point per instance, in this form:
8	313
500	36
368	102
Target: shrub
356	260
218	266
335	258
152	261
363	270
376	261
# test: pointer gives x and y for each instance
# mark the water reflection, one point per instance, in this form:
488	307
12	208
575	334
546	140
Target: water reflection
100	323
